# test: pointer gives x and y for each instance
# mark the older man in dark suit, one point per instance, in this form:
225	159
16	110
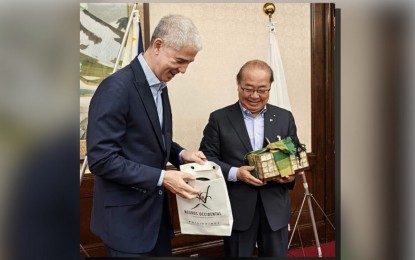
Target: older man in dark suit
129	143
261	211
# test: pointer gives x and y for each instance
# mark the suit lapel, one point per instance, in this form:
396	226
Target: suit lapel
146	97
271	126
237	121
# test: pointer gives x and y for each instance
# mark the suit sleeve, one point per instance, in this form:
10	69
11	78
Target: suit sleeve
107	123
174	154
211	145
292	129
292	132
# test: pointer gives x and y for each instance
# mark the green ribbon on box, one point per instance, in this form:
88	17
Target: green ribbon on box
285	145
281	151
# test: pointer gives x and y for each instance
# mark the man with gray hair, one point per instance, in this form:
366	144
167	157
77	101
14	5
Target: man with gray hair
129	142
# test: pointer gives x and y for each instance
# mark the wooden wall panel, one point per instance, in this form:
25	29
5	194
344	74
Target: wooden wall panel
321	177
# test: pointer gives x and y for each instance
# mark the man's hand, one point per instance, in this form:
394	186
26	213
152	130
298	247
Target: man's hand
286	179
197	157
175	181
244	174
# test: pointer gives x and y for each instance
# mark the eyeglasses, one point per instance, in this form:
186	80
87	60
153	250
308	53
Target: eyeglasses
251	91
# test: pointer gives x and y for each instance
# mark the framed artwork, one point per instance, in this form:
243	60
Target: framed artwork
102	28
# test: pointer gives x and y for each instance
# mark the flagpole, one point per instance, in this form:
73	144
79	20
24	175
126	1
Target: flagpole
124	39
279	92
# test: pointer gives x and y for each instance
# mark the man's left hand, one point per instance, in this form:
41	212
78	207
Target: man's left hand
195	156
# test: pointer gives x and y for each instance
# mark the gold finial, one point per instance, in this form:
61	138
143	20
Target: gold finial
269	9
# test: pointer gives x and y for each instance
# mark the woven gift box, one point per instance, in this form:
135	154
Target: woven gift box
299	161
265	167
281	158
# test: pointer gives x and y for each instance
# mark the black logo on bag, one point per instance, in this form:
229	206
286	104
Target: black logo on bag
202	197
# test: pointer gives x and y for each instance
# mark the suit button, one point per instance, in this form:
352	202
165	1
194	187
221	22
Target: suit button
160	192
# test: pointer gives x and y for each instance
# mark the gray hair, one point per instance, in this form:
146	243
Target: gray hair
177	31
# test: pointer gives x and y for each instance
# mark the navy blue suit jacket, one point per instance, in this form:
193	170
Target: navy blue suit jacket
126	153
226	142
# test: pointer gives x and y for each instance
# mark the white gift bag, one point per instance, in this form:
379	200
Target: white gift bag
210	212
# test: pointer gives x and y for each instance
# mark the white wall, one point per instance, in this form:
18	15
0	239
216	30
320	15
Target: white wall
233	34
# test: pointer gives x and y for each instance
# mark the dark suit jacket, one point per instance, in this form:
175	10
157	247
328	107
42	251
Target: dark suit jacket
126	153
226	142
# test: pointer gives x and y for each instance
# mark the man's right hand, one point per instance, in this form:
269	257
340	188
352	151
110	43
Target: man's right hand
244	174
175	181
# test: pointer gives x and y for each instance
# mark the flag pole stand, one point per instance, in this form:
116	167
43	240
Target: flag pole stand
308	196
134	12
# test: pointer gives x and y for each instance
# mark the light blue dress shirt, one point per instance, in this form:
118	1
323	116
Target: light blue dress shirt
156	87
255	127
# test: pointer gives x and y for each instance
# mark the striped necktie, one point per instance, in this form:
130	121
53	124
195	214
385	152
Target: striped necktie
159	103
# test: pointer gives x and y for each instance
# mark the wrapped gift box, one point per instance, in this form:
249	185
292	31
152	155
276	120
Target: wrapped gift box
281	158
300	161
265	167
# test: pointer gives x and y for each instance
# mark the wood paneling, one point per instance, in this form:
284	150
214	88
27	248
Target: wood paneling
321	178
91	243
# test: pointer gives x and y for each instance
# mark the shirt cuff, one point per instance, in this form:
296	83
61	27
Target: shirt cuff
160	182
180	156
232	174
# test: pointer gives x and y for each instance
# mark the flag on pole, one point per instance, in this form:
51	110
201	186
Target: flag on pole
279	91
140	39
134	44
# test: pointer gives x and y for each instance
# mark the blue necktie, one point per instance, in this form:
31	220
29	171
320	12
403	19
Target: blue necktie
159	105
